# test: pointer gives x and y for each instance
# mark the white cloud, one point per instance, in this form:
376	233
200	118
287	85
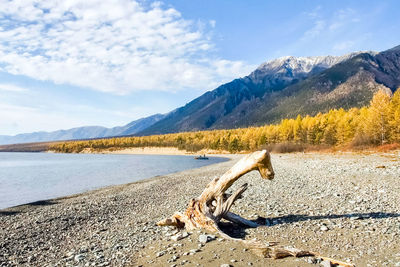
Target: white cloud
12	88
335	26
114	46
343	18
316	29
212	23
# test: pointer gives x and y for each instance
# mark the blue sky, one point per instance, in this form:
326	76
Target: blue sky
70	63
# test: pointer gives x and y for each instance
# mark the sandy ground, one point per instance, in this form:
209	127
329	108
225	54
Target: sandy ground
345	206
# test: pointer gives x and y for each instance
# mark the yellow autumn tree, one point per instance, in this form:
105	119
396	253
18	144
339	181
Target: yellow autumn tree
394	117
378	118
376	124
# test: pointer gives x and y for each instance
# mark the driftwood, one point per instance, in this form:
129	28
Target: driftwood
214	204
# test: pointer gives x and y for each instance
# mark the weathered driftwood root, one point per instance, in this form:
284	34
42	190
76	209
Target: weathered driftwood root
214	204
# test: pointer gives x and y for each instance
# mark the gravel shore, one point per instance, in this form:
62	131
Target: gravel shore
344	206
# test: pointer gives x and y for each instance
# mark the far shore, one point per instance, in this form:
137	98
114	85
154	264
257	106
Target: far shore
154	151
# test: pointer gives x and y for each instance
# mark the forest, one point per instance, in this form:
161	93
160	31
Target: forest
376	124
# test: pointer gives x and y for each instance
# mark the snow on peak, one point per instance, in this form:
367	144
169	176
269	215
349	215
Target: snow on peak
301	64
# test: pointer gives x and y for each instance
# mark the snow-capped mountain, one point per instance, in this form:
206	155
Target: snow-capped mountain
289	68
286	87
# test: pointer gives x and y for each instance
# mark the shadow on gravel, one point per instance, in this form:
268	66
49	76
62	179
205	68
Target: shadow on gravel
25	207
232	229
8	213
239	231
41	203
291	218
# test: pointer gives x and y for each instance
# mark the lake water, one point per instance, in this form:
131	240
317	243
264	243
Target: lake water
29	177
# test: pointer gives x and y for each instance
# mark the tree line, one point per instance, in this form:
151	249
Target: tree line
378	123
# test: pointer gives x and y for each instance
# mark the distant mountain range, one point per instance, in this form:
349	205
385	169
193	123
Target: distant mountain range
281	88
86	132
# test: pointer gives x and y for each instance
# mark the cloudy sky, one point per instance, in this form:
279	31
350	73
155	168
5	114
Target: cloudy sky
72	63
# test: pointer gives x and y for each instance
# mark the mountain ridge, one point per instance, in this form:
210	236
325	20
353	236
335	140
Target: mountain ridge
269	93
85	132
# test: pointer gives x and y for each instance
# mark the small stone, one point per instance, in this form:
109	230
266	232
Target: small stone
225	265
179	236
203	239
233	260
324	228
160	253
79	257
326	264
193	251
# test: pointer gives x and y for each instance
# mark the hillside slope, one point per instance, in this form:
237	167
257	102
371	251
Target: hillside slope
286	87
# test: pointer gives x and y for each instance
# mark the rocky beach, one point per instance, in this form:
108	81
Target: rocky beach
344	206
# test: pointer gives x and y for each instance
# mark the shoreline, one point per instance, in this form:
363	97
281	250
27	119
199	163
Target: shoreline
145	151
174	151
154	151
89	214
227	157
139	151
309	205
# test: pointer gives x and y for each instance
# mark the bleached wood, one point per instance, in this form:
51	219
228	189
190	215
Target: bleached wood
224	207
214	204
239	220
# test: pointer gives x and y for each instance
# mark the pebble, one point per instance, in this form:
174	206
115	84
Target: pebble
203	239
193	251
179	236
79	257
324	228
326	264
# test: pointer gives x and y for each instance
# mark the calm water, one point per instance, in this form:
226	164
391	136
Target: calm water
28	177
